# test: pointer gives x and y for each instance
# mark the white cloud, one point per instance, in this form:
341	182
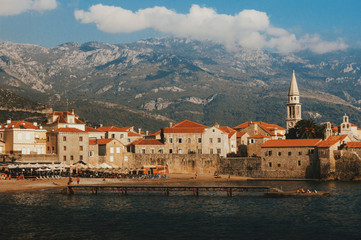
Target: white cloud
14	7
248	28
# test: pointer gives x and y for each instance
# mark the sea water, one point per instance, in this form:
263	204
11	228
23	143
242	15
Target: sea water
50	215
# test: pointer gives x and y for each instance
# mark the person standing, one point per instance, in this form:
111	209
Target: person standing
78	179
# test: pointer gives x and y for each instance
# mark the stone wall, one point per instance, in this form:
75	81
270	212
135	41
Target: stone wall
178	163
348	166
49	158
243	166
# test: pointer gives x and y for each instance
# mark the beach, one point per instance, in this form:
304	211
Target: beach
14	185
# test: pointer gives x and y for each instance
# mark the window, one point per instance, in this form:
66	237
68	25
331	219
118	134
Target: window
251	140
64	148
118	149
80	139
81	157
179	140
299	163
81	148
49	149
64	158
27	136
213	130
71	157
53	148
20	136
64	139
170	150
299	153
179	151
111	159
269	153
211	151
47	139
125	158
279	165
122	135
219	150
279	153
142	150
211	140
270	164
189	140
128	139
113	135
289	153
111	150
160	151
219	140
152	150
91	153
171	140
199	151
199	140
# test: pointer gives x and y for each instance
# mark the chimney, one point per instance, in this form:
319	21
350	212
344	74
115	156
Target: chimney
216	125
139	130
72	111
170	124
147	133
100	125
8	121
35	124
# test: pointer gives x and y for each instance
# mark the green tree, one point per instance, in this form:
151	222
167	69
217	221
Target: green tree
306	129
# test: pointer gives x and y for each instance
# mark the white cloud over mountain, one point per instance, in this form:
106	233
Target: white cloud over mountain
248	28
14	7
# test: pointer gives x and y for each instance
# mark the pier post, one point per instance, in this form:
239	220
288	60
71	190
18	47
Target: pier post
195	192
166	191
229	192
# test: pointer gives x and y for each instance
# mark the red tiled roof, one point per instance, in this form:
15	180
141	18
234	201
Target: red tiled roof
155	134
90	129
147	142
228	130
268	126
100	141
19	124
68	130
335	129
353	145
188	124
133	134
183	130
292	143
111	129
240	134
259	136
331	140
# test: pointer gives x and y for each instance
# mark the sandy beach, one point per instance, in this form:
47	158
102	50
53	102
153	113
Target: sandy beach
33	185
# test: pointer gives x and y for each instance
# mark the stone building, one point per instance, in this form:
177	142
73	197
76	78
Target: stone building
22	137
293	158
125	135
110	151
347	128
64	119
294	113
147	146
258	127
94	133
254	144
188	137
70	144
326	152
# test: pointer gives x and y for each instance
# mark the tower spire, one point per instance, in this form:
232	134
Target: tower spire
293	105
293	87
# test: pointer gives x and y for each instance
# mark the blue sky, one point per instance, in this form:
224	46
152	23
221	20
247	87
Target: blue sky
282	25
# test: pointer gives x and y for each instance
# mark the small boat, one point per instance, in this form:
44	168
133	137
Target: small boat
294	194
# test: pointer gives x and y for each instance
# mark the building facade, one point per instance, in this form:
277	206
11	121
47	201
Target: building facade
293	106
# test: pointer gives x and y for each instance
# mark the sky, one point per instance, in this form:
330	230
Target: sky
320	26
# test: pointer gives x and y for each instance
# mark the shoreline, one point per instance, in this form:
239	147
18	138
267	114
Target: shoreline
11	186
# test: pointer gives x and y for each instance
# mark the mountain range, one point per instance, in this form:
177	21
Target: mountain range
152	82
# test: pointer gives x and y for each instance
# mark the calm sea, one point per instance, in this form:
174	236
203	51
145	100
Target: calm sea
49	215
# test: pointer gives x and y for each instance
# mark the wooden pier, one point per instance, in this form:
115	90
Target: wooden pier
95	189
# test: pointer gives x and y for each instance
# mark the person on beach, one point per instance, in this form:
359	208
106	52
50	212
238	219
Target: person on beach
229	178
302	190
298	190
70	180
78	179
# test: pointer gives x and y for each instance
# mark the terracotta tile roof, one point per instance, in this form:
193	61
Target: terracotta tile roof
183	130
240	134
19	124
268	126
353	145
90	129
100	141
331	140
228	130
155	134
188	124
147	142
292	143
133	134
259	136
111	129
335	129
352	125
125	129
68	130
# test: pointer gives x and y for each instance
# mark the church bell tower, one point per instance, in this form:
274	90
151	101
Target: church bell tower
293	105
